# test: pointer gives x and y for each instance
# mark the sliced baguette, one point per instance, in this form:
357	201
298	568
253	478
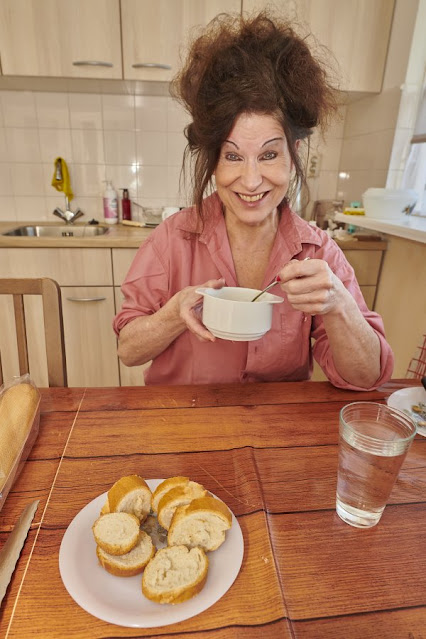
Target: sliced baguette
131	563
179	496
164	487
175	574
132	495
116	533
201	523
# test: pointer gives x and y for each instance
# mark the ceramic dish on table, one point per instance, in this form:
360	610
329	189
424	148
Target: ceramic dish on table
119	600
404	399
230	314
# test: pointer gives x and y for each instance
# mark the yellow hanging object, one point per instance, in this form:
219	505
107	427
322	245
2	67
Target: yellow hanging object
61	178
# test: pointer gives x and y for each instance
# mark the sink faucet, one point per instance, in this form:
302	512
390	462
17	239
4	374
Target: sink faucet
68	216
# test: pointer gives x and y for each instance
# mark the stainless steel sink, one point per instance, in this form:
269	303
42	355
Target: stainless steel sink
58	231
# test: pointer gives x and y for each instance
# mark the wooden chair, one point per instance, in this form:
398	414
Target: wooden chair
53	325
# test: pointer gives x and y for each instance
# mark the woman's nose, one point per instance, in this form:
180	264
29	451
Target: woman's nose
251	177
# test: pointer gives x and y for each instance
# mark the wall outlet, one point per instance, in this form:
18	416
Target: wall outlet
314	165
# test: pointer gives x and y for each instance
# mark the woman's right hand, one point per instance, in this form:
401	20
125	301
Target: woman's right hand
189	308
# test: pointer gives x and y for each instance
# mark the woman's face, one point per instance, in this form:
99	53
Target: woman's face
253	171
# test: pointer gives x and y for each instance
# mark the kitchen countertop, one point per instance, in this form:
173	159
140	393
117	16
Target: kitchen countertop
409	227
119	236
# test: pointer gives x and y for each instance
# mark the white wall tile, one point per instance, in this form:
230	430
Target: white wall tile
31	209
87	180
177	117
52	110
6	186
27	179
151	113
4	155
19	109
118	112
120	147
152	182
176	147
85	111
152	148
87	146
123	177
55	143
23	145
373	113
7	208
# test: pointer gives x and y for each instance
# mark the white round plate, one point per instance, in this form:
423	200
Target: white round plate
119	600
404	399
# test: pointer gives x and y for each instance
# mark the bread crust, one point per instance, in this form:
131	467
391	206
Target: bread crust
179	496
121	492
205	507
102	533
115	564
164	487
18	405
178	594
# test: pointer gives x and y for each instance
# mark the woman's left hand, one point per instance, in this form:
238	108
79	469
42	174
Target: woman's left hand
312	287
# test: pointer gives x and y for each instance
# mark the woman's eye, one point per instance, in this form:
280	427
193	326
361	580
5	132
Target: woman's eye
269	155
233	157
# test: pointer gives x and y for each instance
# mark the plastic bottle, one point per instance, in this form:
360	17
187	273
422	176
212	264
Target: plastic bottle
110	203
126	211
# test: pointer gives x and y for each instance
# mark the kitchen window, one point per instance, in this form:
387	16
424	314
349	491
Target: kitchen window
415	167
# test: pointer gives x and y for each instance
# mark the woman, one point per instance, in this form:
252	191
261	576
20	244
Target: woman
254	92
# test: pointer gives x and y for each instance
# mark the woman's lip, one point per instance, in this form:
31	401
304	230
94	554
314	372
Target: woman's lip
257	197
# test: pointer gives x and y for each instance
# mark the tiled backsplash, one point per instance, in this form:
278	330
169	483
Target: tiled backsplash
136	141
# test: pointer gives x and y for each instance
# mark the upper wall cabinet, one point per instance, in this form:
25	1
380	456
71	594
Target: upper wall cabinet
356	31
61	38
155	33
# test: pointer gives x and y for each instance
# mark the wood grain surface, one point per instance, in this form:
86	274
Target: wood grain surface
270	452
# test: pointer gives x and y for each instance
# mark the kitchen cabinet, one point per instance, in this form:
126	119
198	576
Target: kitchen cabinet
81	39
154	33
85	278
356	31
59	38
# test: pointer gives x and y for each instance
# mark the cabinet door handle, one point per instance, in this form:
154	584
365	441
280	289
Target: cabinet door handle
150	65
92	63
86	299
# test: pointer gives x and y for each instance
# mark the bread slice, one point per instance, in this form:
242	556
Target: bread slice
179	496
175	574
133	562
164	487
132	495
201	523
116	533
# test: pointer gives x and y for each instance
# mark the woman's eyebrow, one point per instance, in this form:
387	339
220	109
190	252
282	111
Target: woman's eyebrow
278	139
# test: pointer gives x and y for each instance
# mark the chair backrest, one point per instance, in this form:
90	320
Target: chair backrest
53	324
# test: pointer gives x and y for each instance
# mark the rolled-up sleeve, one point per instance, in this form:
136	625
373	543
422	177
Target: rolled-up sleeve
145	287
321	348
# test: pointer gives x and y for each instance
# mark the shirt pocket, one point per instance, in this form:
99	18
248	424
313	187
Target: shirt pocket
296	344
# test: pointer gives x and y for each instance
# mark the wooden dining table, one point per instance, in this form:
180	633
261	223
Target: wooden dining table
269	451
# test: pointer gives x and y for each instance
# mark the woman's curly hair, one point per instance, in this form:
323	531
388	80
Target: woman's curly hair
255	64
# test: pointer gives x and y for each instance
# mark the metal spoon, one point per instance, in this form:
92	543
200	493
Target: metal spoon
276	280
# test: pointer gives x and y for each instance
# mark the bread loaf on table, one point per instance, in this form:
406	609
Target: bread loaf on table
18	405
202	523
116	533
132	495
175	574
131	563
175	497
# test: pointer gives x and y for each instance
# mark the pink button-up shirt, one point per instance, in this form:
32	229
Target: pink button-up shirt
174	257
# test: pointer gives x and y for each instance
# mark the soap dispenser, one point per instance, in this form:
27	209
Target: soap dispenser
110	203
126	211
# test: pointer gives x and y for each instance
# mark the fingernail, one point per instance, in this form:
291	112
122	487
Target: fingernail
278	278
